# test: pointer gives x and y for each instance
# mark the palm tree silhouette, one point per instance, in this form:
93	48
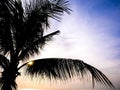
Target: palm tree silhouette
22	35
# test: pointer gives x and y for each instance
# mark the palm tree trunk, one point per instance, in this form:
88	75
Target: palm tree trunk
9	78
7	86
9	83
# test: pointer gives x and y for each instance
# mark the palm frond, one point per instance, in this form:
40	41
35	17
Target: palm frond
63	69
48	8
5	37
35	19
33	48
58	8
8	13
4	62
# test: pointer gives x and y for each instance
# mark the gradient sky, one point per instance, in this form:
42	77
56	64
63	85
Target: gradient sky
90	33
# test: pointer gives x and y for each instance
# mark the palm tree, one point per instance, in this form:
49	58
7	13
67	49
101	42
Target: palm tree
22	35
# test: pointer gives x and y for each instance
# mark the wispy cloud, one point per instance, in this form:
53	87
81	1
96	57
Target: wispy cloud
86	38
92	38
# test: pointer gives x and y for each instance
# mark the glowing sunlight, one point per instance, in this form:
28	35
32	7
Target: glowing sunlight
30	63
29	89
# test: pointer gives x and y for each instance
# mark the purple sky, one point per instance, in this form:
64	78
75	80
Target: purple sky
90	33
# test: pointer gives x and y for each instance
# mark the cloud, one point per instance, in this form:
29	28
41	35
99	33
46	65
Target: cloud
84	38
88	38
86	35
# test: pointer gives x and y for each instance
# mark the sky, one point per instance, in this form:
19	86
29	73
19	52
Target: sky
90	33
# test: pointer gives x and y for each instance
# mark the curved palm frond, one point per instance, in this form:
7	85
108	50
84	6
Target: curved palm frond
33	48
58	7
37	15
62	68
35	19
48	8
21	27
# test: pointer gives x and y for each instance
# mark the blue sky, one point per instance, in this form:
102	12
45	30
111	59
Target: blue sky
108	9
91	33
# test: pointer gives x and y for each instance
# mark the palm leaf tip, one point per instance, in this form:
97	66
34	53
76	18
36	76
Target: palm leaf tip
63	69
98	76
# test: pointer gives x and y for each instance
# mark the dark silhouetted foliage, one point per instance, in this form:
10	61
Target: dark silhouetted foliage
22	29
